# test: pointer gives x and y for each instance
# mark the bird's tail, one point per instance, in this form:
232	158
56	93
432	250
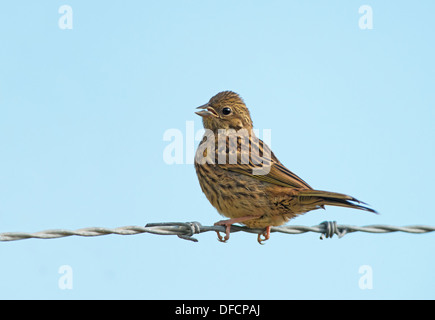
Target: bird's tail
323	198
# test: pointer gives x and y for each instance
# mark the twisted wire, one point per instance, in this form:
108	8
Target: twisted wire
186	230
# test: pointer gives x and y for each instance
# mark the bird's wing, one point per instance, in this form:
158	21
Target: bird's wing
262	165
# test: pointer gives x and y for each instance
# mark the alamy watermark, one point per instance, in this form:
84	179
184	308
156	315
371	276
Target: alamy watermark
227	146
66	19
365	22
366	280
66	279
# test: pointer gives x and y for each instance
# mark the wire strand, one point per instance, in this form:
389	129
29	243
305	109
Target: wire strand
186	230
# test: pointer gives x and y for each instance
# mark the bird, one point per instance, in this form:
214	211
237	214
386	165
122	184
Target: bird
244	180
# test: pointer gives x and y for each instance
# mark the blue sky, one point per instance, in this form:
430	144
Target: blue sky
83	112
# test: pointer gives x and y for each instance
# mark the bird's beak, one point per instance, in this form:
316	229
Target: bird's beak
206	111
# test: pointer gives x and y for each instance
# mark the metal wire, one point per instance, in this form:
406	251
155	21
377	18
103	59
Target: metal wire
186	230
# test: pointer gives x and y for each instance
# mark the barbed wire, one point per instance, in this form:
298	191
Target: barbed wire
186	230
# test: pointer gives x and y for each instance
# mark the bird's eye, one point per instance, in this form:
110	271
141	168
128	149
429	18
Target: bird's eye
226	111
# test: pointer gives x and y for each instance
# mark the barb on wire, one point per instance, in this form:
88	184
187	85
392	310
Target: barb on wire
186	230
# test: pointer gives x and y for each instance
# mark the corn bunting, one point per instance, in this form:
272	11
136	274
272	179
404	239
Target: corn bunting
244	180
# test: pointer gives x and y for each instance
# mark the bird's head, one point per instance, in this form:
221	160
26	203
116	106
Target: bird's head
226	110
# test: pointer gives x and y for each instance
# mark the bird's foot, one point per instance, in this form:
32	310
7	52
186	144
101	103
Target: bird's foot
228	223
227	231
266	235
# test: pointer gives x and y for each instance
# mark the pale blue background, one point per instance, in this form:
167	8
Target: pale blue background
82	117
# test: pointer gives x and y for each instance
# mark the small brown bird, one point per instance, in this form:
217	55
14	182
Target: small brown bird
244	180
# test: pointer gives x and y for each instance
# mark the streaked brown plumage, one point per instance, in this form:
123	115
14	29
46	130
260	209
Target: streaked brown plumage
236	187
